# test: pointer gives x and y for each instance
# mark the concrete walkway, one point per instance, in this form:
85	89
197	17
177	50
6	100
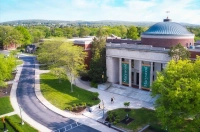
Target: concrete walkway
78	118
8	114
105	96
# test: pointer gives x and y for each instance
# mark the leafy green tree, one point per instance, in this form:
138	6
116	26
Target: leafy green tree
13	37
179	52
177	89
26	37
141	30
98	61
64	58
72	60
102	32
59	73
123	31
7	65
4	30
84	31
132	33
49	54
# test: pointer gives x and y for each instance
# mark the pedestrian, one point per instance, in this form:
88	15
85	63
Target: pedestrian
112	100
4	124
99	106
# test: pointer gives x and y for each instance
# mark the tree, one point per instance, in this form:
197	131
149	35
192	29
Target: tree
102	32
98	61
72	60
49	54
59	73
65	57
13	37
26	37
84	31
178	96
7	65
132	33
179	52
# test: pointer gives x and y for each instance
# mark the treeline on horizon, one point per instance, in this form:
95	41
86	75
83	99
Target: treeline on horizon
24	35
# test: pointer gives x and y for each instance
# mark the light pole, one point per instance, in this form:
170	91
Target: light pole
103	76
103	108
20	108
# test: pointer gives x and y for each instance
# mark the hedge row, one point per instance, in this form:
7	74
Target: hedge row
14	125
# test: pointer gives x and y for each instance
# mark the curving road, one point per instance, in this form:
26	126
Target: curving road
31	105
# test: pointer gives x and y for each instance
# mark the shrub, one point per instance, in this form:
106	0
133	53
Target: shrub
74	105
75	108
156	128
89	104
93	84
126	104
13	124
83	104
69	108
114	122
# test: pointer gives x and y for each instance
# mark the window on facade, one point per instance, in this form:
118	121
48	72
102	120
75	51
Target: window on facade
161	67
132	63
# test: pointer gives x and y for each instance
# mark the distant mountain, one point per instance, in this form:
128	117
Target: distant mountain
80	22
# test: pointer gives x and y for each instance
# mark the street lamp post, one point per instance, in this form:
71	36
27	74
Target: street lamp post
103	108
22	122
103	76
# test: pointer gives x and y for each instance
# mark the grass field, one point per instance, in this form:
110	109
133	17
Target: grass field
60	95
5	106
141	117
17	121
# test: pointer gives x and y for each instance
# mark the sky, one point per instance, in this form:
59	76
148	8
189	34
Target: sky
187	11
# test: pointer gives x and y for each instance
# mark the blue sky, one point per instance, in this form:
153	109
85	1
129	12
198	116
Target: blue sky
93	10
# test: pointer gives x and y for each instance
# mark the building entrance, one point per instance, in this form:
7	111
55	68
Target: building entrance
137	78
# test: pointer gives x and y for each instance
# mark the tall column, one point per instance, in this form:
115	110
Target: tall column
120	71
140	74
151	74
130	70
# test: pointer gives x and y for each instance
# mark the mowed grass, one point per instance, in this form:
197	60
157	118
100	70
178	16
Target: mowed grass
26	127
60	95
5	106
141	117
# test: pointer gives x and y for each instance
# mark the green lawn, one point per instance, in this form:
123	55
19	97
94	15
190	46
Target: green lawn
5	106
17	121
60	95
141	117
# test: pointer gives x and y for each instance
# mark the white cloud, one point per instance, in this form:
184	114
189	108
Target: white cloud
131	10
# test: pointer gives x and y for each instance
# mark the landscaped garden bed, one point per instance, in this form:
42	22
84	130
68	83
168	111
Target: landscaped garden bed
13	123
60	95
134	120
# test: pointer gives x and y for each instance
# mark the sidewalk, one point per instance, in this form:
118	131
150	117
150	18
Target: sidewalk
78	118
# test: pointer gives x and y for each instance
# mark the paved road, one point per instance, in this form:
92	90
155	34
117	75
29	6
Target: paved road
31	105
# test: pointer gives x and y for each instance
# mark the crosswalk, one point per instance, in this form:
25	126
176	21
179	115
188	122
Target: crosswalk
68	127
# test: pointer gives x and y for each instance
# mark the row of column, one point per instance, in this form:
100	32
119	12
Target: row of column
130	70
